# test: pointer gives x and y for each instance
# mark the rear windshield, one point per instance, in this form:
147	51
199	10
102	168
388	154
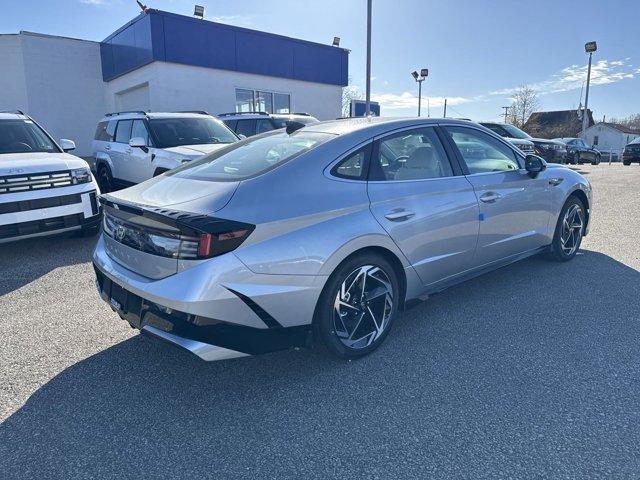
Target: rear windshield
24	136
281	122
251	157
174	132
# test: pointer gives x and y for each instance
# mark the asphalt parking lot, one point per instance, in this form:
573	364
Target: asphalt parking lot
529	371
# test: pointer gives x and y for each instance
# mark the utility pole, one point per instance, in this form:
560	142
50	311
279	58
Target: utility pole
420	77
589	47
506	113
445	109
368	94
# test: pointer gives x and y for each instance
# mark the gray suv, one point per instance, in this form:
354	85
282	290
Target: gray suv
248	124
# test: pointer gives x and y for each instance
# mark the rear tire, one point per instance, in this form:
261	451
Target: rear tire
569	231
626	163
88	231
105	179
358	306
596	161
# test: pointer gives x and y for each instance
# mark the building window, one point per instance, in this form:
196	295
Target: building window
262	101
595	139
244	100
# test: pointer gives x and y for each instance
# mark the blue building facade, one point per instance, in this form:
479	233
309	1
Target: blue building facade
168	37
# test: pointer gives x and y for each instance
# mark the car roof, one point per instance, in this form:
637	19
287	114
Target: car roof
13	116
152	115
348	125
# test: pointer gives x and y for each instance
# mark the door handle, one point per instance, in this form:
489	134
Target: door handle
399	215
555	181
107	147
128	150
490	197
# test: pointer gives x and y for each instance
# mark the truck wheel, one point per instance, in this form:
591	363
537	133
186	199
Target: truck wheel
105	179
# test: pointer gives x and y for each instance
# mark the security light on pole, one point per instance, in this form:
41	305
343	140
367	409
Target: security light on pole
336	41
198	11
589	48
420	77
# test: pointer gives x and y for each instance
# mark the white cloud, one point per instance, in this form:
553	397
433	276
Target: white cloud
603	72
407	100
99	3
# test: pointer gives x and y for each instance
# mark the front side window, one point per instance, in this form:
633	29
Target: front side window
515	132
24	136
242	160
139	130
264	126
411	155
481	152
173	132
495	128
123	132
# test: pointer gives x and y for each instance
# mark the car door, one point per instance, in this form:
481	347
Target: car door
120	150
139	165
423	202
514	207
587	153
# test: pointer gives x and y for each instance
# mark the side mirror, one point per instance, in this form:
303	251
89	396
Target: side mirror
139	142
534	165
67	145
242	136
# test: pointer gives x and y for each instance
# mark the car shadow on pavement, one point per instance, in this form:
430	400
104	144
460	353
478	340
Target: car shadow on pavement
24	261
531	370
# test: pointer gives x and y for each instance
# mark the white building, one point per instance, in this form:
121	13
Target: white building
166	62
610	137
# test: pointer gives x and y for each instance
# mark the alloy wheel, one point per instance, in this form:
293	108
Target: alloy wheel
572	229
363	307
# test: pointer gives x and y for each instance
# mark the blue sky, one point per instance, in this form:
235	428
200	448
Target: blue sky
477	51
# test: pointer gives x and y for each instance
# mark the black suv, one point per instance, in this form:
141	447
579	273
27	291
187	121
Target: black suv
248	124
578	152
631	153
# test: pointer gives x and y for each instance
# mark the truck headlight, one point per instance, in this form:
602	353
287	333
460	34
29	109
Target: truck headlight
80	175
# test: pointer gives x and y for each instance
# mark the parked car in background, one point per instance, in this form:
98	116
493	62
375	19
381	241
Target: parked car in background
43	189
631	152
578	152
550	150
515	136
248	124
131	147
327	231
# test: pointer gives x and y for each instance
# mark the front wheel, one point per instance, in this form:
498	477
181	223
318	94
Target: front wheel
358	306
105	179
596	161
569	230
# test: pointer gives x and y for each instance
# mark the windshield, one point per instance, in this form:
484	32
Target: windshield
173	132
515	132
24	136
251	157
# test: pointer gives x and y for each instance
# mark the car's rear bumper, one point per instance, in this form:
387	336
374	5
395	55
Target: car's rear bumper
631	157
22	217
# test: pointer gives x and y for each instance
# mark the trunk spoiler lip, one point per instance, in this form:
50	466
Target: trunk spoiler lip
187	222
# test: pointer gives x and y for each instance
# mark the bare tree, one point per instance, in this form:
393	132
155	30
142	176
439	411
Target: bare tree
632	121
350	92
525	102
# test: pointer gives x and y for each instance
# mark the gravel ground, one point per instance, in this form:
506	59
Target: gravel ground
529	371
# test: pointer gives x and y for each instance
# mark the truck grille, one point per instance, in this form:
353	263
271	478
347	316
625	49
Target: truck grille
36	181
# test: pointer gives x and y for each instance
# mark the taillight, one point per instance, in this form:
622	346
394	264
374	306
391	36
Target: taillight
213	244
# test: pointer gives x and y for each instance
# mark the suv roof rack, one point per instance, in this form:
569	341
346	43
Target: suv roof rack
242	113
302	114
17	112
123	112
201	112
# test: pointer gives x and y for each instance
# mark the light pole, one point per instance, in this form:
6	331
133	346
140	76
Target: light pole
420	77
589	47
368	94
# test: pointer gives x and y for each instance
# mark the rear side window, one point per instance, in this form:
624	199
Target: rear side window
246	128
263	126
123	132
232	124
352	167
247	159
411	155
105	131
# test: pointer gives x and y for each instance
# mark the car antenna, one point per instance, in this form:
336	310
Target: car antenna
292	126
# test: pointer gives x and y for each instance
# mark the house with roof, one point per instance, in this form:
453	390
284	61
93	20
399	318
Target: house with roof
558	124
610	137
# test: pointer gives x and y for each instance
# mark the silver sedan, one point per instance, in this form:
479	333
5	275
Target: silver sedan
326	232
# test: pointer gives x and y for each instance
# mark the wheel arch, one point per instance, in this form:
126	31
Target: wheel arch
580	195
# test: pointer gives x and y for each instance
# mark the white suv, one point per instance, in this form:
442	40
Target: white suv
43	189
131	147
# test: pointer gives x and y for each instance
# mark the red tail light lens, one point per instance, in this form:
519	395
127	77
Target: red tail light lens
213	244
